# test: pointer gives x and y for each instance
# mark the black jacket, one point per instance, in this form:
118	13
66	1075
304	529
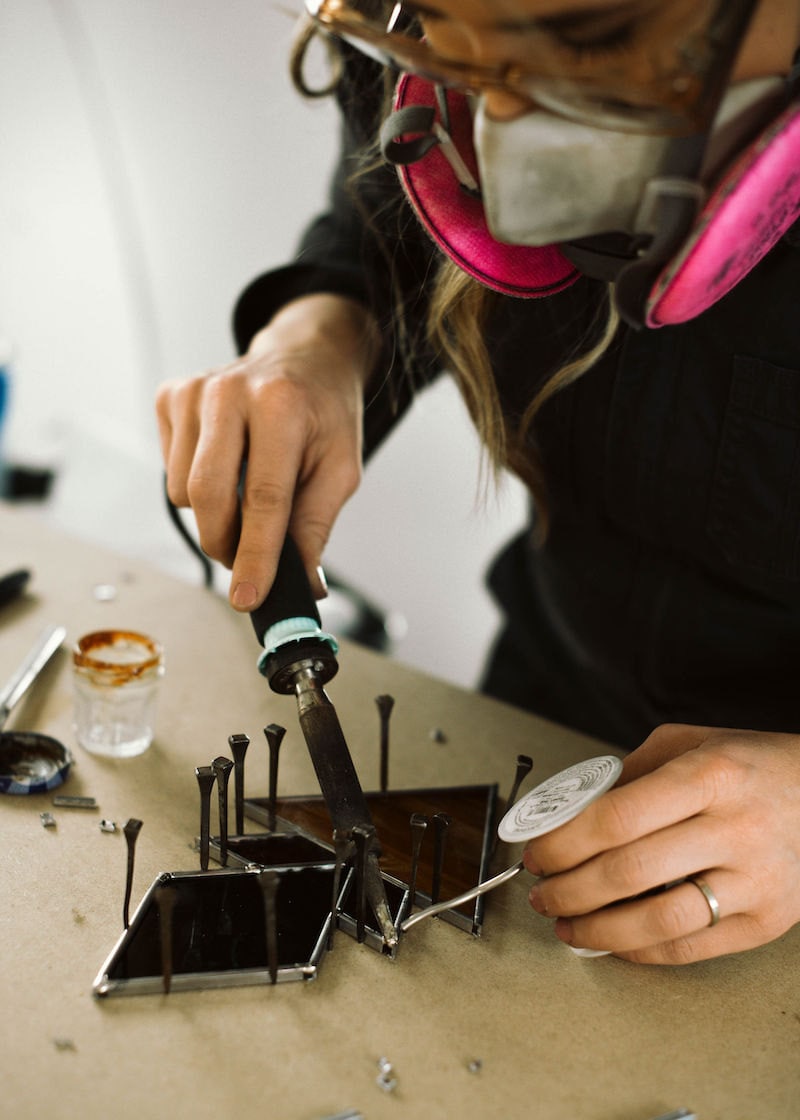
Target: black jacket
669	586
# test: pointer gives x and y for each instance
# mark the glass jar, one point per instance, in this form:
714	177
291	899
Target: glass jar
116	675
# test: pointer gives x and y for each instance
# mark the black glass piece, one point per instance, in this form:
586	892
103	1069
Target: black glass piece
470	838
218	931
275	849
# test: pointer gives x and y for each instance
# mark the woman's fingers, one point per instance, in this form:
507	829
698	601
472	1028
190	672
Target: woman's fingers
626	813
633	869
715	804
272	441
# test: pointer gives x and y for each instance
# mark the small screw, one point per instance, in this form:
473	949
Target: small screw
386	1079
475	1065
48	820
437	735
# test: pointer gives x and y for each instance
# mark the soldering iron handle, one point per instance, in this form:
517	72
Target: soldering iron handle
290	596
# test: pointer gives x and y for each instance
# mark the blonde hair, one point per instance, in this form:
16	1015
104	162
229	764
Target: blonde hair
458	312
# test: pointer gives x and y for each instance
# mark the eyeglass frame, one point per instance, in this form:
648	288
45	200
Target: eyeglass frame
694	93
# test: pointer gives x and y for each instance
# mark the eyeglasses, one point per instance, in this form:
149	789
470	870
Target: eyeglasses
643	65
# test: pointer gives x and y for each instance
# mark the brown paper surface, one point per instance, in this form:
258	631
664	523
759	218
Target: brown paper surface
556	1036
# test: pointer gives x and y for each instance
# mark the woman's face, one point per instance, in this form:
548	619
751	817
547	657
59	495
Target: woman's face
595	34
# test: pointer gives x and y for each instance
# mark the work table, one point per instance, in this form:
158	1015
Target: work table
508	1024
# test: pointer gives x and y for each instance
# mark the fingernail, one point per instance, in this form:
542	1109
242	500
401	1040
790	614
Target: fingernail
245	596
322	582
536	901
530	864
563	930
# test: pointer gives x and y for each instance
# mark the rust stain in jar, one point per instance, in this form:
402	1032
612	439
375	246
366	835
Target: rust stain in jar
95	653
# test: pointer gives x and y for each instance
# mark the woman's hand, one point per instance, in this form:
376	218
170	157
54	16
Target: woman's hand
692	801
292	409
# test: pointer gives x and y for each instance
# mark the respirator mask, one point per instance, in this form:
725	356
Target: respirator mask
639	163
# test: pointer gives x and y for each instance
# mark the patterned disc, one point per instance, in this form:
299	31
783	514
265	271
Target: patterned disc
559	799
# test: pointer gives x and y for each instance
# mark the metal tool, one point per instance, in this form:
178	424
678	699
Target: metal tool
300	658
70	801
467	896
29	761
15	688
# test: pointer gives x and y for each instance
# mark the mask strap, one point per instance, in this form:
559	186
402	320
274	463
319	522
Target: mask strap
426	132
669	209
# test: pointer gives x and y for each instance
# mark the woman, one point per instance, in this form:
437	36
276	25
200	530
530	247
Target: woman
629	168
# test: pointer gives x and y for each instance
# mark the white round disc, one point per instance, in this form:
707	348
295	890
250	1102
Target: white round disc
559	799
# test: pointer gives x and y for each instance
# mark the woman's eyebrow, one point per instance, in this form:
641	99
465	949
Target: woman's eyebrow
577	19
573	19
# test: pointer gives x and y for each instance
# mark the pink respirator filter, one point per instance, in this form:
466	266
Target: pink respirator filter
456	221
749	211
755	203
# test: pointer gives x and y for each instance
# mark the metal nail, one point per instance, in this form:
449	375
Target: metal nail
419	825
238	745
205	780
441	823
131	830
274	734
222	769
386	1078
385	704
524	767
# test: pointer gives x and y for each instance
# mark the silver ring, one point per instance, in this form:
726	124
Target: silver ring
708	895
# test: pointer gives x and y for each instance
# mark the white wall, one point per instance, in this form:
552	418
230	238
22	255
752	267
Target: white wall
155	158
